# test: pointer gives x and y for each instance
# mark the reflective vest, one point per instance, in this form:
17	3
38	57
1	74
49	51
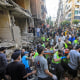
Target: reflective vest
47	56
36	54
66	46
43	38
43	45
57	58
51	49
47	39
76	42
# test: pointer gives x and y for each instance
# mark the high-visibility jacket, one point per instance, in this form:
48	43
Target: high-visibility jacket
57	54
51	49
66	46
76	42
36	54
47	39
43	38
43	45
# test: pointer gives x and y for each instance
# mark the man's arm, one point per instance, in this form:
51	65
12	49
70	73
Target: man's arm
56	60
8	77
28	58
33	72
48	73
68	56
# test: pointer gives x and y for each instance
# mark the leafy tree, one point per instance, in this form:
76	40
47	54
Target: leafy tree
49	21
65	23
75	22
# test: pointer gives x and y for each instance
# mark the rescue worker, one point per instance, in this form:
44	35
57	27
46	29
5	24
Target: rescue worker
56	61
76	41
67	42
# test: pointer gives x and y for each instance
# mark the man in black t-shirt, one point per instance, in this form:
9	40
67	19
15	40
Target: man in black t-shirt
16	70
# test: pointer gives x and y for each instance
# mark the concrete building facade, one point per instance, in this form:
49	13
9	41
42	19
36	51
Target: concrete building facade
38	10
15	18
60	13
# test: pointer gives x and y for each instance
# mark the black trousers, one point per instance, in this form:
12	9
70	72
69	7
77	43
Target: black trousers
48	78
2	76
70	70
59	70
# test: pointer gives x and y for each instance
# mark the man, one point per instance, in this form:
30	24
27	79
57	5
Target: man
67	42
62	36
56	61
76	41
25	61
42	66
73	64
68	36
60	44
16	70
60	31
72	38
57	37
3	63
38	31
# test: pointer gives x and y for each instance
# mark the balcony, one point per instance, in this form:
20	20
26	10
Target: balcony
69	6
76	8
18	11
77	3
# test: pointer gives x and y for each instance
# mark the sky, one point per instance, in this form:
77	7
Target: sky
52	7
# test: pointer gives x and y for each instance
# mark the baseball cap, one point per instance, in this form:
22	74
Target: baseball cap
26	52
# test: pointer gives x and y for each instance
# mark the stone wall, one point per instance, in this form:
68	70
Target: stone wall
5	30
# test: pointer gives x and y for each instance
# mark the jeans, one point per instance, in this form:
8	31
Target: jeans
28	70
38	34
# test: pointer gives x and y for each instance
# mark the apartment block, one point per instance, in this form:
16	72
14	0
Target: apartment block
60	13
72	10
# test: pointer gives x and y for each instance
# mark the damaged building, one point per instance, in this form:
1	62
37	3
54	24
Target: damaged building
15	18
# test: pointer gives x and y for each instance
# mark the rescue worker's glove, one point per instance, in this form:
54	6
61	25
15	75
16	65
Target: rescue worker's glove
64	57
54	77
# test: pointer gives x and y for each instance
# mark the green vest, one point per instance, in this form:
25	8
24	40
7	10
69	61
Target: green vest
66	46
47	39
43	38
43	45
57	58
36	54
76	42
51	49
47	56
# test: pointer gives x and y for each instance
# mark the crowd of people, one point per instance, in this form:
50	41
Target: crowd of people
56	54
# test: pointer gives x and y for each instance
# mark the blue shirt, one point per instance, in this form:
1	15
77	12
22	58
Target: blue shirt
25	61
71	39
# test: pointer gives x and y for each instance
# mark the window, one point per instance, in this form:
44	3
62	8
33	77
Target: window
77	17
69	15
76	12
78	1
